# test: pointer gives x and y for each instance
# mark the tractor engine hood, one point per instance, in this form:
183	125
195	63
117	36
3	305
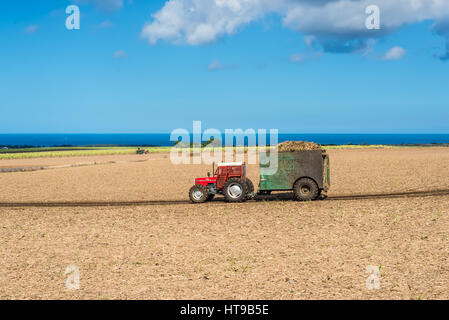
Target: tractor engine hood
205	181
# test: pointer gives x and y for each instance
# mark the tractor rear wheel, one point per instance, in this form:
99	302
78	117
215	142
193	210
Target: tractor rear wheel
249	188
235	190
305	189
198	193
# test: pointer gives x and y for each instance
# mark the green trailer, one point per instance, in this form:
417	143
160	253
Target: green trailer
306	173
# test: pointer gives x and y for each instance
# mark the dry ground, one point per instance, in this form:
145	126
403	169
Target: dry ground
277	249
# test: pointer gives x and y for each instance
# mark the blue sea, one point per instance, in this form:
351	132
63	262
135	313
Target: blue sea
163	139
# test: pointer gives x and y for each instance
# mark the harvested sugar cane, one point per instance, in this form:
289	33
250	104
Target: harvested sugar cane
290	146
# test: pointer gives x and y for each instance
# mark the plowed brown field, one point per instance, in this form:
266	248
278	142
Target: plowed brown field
253	250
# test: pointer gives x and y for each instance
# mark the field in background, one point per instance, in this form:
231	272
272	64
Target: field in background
72	152
24	153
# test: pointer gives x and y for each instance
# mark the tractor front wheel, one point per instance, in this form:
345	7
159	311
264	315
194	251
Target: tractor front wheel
198	193
235	190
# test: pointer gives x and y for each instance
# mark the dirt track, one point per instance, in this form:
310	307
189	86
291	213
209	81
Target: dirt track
387	208
274	197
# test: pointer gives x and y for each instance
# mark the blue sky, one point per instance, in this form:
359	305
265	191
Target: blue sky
112	76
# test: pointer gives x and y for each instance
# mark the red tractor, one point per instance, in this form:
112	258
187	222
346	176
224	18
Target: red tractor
229	180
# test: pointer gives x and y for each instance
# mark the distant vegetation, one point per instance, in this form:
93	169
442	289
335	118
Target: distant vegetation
191	145
21	153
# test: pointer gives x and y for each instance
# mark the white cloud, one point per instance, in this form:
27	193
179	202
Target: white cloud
301	57
395	53
119	54
296	57
215	65
333	25
105	24
31	29
201	21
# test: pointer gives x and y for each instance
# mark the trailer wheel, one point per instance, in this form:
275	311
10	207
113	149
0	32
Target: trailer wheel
305	189
249	188
235	190
198	193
